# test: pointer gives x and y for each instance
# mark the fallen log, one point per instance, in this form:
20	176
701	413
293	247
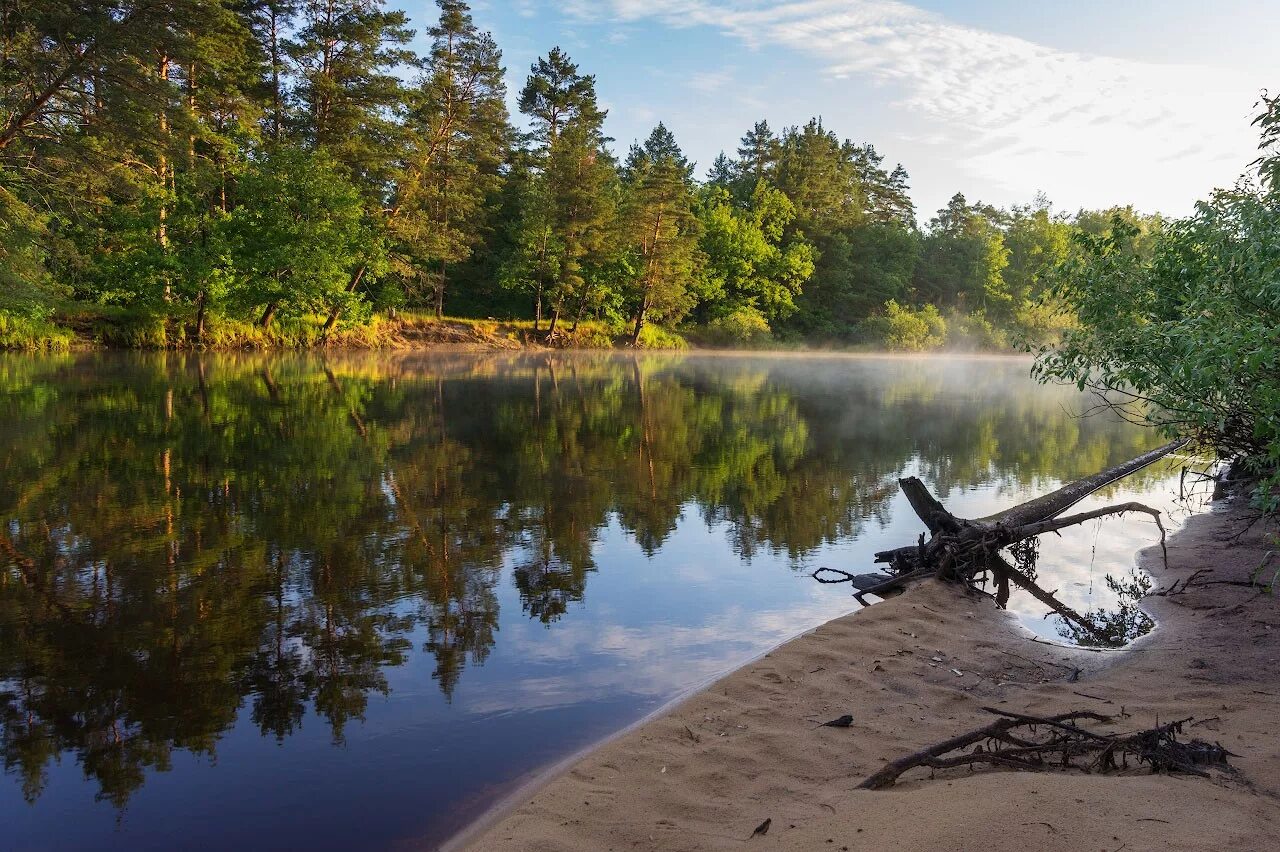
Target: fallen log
1054	504
960	549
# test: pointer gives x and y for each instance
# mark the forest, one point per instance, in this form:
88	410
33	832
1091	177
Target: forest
290	172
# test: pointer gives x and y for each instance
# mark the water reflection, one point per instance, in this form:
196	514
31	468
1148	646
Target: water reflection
192	542
1114	626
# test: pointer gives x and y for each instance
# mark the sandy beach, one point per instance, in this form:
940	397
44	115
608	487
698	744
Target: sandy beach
916	670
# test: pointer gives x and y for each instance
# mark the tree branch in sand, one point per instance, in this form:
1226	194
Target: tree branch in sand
1047	743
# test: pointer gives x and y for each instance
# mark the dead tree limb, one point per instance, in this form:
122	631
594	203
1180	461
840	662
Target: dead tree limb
962	550
1046	743
1040	528
1054	504
996	731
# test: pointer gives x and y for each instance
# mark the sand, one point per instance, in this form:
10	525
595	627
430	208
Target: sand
706	773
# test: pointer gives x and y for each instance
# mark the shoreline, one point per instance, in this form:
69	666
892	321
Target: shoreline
419	334
705	770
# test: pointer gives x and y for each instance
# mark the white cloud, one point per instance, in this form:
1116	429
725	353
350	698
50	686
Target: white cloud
710	82
1013	113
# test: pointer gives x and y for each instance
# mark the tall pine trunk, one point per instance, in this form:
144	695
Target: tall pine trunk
162	169
440	291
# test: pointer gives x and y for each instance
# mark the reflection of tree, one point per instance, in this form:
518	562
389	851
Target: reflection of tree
180	535
1117	626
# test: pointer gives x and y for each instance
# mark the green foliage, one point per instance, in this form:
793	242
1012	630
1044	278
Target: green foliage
743	326
297	237
656	337
30	334
566	233
963	258
457	133
25	287
1181	333
270	159
662	231
974	332
906	329
750	265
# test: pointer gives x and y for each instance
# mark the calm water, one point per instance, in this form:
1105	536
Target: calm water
289	602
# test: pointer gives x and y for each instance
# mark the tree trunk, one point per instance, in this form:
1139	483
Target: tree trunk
961	549
542	266
200	311
277	102
635	334
191	109
336	312
537	307
577	317
650	273
267	315
162	168
440	291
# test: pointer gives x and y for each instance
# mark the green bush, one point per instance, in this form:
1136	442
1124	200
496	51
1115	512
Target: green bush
25	333
656	337
1042	323
975	332
131	329
744	326
902	328
1187	339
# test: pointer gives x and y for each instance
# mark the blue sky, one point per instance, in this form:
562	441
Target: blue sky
1091	102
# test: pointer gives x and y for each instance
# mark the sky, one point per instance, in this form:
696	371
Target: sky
1091	102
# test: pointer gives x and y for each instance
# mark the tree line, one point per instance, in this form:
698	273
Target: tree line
184	164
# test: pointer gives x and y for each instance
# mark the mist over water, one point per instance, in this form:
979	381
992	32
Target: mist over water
348	600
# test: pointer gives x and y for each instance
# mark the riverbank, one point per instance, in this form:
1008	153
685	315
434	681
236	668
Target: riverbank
116	328
916	670
126	329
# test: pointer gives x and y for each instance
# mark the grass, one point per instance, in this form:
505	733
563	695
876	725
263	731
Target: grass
32	335
129	328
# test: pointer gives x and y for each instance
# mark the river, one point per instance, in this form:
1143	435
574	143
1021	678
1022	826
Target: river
326	602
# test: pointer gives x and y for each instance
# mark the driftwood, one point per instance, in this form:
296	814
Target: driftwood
960	550
1048	743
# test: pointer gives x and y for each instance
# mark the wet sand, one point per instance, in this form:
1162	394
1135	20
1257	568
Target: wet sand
916	670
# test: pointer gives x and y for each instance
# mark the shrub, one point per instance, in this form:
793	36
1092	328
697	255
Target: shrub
656	337
1187	339
974	332
744	326
902	328
27	333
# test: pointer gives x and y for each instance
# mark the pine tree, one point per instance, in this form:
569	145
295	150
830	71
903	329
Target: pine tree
723	173
963	258
269	21
348	96
758	155
662	229
459	134
576	175
345	55
556	95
